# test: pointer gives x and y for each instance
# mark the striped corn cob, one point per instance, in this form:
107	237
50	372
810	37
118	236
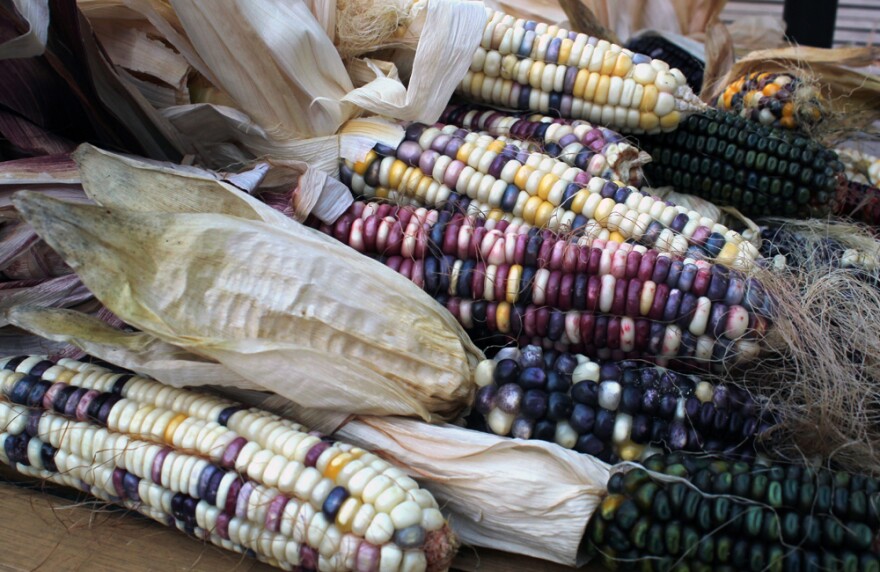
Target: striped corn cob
614	411
599	151
543	285
542	191
859	202
777	99
532	66
660	48
299	501
700	513
732	161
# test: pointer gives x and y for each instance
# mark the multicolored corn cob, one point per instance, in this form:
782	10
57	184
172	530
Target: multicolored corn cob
777	99
501	181
732	161
705	514
538	284
656	46
599	151
614	411
532	66
238	477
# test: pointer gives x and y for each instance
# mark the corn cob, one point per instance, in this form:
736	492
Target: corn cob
700	513
603	336
860	202
543	191
282	481
540	277
531	66
777	99
660	48
599	151
614	411
732	161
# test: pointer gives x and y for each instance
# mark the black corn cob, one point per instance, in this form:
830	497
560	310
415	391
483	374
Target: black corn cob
732	161
614	411
705	514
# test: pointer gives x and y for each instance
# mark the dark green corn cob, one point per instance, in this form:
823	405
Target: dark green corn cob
732	161
710	514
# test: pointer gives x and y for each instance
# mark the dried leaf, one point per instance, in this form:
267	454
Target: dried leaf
584	21
60	292
136	351
547	493
35	14
266	300
720	57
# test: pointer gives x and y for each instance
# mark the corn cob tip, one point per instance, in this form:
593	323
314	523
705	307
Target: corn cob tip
440	549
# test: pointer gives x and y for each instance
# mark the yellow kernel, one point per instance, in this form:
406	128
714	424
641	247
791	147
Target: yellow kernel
728	254
616	237
522	176
649	98
670	120
546	184
543	214
580	84
464	152
622	66
346	514
579	200
530	209
361	166
172	427
398	168
590	89
630	451
601	95
336	465
502	317
565	51
497	146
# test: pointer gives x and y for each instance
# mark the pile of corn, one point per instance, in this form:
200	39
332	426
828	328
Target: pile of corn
615	323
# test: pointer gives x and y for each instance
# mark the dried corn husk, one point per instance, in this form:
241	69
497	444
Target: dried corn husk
35	14
136	351
525	497
267	300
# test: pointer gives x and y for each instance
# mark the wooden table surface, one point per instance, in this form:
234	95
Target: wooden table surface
49	529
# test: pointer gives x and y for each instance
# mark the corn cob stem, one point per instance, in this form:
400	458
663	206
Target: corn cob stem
614	410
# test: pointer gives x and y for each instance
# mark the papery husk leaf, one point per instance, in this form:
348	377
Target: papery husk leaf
60	292
16	342
136	351
31	43
120	182
45	169
134	184
521	496
274	59
583	20
130	47
720	58
266	301
450	35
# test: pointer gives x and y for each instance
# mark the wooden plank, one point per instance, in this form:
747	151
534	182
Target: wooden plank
50	529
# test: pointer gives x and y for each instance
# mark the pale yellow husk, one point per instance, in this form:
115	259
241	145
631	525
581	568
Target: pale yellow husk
520	496
285	307
136	351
